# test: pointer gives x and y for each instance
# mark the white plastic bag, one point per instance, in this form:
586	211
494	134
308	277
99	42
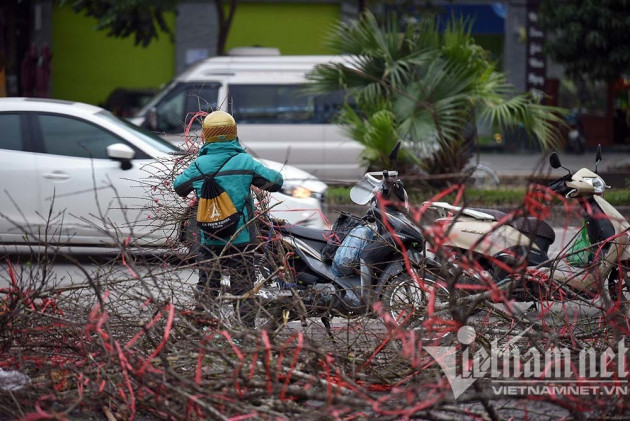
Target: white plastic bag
12	380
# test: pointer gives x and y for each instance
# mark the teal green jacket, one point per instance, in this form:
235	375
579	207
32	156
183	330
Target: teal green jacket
236	177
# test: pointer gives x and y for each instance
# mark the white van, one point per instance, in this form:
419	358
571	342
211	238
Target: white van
275	119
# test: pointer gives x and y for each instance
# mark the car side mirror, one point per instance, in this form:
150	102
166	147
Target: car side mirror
122	153
151	120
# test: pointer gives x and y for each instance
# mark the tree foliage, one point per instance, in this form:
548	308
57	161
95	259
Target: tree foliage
144	19
589	37
433	82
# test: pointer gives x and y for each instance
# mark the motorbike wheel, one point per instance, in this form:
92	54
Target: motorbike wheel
407	303
614	288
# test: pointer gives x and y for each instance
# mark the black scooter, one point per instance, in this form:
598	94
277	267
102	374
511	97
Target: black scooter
381	271
576	138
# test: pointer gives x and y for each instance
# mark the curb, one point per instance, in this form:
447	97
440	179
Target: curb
557	218
617	179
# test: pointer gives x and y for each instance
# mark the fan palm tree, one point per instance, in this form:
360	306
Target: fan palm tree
427	86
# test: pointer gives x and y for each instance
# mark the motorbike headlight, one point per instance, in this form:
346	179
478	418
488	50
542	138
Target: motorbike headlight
598	184
298	192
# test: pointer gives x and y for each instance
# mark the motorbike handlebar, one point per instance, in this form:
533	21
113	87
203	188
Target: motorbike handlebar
385	174
559	185
389	182
399	191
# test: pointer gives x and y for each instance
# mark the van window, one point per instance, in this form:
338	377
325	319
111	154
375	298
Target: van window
328	106
271	104
282	104
175	109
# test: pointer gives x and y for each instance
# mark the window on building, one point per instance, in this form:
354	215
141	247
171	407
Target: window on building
588	98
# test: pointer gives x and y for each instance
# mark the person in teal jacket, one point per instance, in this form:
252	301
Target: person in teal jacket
237	172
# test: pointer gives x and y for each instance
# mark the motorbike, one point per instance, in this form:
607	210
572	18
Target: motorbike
381	270
576	141
496	241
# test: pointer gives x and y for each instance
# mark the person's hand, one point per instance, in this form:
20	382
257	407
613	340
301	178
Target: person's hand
278	221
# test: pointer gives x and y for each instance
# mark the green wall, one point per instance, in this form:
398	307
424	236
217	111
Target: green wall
295	28
87	65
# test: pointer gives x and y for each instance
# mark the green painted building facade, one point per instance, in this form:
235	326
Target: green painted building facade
87	64
294	28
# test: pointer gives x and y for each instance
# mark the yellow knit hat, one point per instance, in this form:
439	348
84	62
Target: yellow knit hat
219	126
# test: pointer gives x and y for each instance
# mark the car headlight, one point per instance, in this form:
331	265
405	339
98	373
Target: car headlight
298	192
598	184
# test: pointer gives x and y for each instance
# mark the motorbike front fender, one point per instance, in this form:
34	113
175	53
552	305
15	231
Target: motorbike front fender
390	271
397	266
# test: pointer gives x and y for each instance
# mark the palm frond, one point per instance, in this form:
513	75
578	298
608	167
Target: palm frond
543	122
425	86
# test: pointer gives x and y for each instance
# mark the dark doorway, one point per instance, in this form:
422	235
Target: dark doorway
621	116
15	34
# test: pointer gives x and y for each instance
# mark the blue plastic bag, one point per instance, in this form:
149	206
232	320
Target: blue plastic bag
348	254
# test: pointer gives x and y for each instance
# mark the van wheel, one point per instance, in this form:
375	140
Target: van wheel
406	302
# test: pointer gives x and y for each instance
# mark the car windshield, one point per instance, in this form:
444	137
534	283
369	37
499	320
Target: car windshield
155	99
148	137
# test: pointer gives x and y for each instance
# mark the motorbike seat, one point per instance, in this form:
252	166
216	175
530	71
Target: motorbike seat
534	226
496	214
309	233
529	225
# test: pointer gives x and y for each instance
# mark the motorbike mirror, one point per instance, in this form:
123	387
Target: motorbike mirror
554	161
393	156
598	156
362	192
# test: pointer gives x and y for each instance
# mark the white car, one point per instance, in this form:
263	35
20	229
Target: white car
74	174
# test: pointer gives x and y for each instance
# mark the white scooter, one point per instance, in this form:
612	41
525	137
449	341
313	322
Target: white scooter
506	248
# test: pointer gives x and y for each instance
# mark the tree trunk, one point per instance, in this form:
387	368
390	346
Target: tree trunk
225	22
